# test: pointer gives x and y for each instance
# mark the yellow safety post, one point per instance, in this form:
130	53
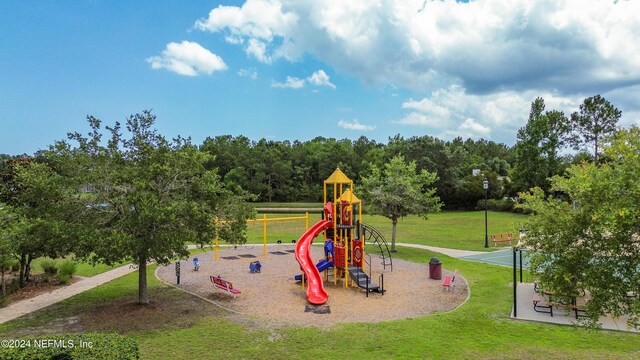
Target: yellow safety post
215	252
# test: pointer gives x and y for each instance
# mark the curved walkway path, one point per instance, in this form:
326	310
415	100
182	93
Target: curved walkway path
27	306
449	252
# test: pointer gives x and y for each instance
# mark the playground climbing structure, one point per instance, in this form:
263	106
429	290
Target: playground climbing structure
345	240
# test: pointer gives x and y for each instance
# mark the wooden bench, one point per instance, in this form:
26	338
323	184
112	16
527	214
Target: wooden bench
225	285
502	238
448	281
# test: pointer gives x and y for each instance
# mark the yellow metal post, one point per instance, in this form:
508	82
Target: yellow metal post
325	192
215	252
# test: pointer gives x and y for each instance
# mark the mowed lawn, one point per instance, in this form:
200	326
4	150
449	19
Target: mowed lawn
450	229
179	326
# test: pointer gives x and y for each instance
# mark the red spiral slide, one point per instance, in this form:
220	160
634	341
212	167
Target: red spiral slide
316	294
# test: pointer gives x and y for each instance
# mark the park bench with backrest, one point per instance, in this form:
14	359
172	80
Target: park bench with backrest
224	285
502	238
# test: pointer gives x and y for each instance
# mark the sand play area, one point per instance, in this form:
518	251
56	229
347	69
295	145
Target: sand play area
274	295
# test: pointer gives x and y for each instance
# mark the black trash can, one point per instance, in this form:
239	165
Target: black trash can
435	269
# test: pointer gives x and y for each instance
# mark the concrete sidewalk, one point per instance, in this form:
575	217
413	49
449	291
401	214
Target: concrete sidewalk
26	306
449	252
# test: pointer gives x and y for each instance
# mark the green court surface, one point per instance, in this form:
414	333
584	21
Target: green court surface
500	257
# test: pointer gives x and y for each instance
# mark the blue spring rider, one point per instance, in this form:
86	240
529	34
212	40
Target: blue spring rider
196	264
255	267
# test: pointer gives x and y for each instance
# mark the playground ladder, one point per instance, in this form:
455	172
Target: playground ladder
373	236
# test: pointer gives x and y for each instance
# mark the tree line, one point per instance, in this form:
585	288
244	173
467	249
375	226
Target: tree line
285	171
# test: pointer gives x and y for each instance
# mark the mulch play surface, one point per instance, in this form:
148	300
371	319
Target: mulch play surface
274	295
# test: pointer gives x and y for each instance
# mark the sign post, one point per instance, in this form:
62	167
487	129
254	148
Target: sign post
178	272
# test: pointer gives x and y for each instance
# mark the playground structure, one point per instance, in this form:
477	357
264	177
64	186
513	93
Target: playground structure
345	237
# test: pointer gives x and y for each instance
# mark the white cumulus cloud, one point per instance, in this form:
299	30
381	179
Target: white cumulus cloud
250	73
187	58
291	83
452	112
354	125
318	78
483	45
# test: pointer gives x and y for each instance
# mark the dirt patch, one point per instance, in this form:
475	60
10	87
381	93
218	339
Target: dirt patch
168	307
274	296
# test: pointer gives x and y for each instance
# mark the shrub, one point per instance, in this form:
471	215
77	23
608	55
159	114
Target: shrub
4	299
505	204
66	271
15	265
49	267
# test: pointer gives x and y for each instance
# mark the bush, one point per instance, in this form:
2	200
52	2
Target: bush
505	204
49	267
66	271
15	265
4	299
74	346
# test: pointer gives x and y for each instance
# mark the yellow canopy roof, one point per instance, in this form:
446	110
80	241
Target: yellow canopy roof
349	196
338	177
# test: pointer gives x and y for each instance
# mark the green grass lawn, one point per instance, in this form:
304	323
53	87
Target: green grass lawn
450	229
179	326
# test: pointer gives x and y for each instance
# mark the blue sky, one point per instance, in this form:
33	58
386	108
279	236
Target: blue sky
288	70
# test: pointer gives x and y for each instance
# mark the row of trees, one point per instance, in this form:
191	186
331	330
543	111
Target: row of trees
294	171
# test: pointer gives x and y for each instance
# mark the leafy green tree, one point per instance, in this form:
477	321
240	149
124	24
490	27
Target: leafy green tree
8	222
538	146
594	246
497	165
39	196
399	190
147	197
436	156
597	119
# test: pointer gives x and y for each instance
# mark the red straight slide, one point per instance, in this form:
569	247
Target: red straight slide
316	294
